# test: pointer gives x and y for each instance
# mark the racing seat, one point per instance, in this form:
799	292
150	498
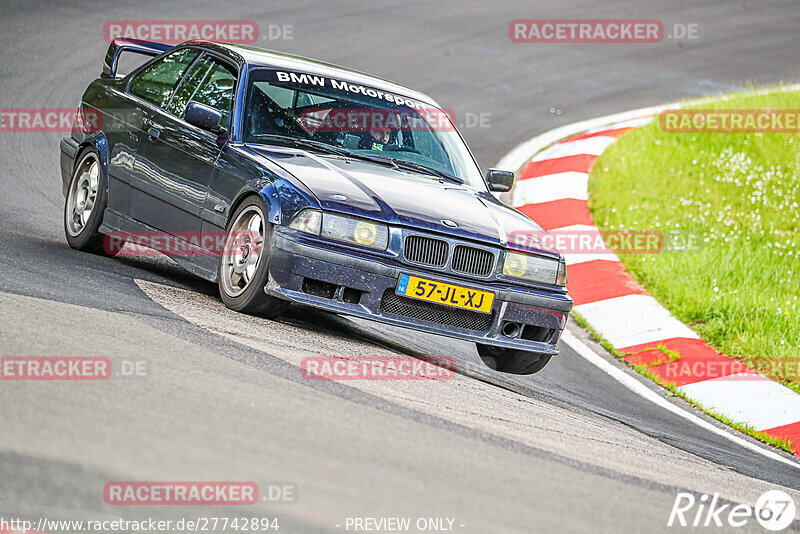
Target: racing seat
265	117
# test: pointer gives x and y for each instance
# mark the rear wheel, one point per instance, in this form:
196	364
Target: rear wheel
244	262
85	203
514	361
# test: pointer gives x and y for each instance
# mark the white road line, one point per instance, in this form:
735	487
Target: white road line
752	400
632	123
593	146
643	391
552	187
584	257
632	320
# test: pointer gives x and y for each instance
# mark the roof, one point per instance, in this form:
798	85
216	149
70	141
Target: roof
259	57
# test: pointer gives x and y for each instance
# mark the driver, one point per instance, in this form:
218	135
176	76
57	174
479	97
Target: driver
378	139
380	132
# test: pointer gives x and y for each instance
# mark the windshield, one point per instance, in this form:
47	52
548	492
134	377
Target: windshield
315	112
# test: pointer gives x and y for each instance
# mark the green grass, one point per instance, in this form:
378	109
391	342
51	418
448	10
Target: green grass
728	205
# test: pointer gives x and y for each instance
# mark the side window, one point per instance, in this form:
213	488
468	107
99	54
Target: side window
210	83
156	83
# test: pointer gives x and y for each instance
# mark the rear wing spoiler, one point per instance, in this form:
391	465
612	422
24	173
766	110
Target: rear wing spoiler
117	46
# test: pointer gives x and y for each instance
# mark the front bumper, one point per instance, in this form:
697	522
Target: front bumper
315	274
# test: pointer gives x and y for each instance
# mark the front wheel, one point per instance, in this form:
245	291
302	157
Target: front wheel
244	262
514	361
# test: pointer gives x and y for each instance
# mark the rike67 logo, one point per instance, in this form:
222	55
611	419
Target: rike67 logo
774	510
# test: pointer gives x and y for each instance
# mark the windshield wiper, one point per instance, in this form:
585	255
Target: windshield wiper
299	142
405	164
375	159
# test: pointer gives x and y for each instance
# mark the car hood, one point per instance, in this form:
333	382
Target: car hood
403	197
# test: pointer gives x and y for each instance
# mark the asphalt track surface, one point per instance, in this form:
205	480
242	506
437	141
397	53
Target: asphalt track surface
567	450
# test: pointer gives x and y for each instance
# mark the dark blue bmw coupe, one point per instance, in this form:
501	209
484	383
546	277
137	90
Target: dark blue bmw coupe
329	187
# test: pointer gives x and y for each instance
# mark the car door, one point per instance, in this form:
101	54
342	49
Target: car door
149	90
175	161
124	115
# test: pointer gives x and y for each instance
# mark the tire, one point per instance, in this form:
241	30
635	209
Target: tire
244	262
85	203
513	361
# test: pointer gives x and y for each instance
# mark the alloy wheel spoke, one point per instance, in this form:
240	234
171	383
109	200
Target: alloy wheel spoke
252	262
254	226
235	278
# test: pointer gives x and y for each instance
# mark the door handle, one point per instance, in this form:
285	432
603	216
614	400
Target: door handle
153	133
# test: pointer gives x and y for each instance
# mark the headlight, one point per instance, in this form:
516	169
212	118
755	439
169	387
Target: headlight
308	221
342	228
530	267
355	231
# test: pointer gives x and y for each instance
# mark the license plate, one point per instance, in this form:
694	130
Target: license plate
445	294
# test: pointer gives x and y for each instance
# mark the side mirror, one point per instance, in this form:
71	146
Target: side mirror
204	117
500	181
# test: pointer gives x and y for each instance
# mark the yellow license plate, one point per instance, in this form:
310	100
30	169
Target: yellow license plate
445	294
